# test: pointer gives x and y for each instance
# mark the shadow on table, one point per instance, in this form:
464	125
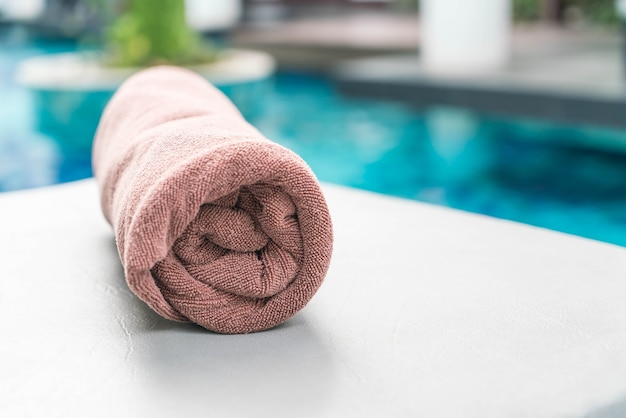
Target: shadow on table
287	370
616	409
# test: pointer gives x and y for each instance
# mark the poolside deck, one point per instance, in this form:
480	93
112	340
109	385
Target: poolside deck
565	75
319	44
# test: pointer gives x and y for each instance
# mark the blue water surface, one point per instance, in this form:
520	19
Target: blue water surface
571	179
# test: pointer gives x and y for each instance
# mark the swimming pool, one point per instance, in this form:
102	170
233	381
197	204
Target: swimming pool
540	174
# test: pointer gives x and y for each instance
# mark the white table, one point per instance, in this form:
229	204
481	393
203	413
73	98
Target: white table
425	312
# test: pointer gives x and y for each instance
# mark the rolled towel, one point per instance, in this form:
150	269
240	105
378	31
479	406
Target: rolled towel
214	223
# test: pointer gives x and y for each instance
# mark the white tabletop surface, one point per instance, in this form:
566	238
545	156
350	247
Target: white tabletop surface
425	312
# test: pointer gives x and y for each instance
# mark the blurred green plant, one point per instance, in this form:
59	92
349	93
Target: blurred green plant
601	12
153	32
526	10
406	5
597	12
522	10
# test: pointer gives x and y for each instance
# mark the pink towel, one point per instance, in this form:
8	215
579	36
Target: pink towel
214	223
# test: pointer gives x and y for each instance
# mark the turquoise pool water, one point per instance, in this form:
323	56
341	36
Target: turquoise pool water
541	174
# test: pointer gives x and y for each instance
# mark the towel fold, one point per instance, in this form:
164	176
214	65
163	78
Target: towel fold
214	223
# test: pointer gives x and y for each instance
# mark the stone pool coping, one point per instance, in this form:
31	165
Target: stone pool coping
426	311
494	94
84	71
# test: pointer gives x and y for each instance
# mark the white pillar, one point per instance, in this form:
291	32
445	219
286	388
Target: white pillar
22	9
213	15
464	36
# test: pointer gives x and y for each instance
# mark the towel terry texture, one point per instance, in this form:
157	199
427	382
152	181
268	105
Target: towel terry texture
214	223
